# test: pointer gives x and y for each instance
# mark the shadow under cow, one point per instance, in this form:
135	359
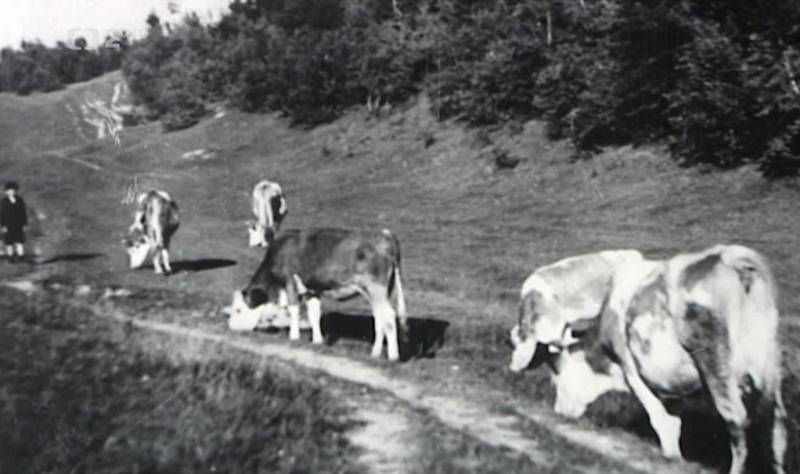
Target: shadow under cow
425	335
71	257
201	264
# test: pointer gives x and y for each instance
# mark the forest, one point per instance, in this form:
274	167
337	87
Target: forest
716	81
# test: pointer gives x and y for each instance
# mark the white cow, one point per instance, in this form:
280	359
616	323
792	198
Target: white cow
269	209
703	321
155	221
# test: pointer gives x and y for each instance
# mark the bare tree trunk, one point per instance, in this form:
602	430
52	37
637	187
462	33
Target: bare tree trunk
790	71
583	4
396	9
549	30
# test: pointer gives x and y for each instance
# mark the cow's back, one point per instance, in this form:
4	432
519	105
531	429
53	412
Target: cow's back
583	281
327	258
161	210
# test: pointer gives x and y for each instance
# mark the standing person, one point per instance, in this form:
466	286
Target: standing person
13	220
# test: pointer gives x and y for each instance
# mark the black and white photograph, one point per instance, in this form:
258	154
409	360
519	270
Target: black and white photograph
399	236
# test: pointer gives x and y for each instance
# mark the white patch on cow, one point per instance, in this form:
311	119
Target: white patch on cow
536	282
577	385
294	322
242	318
661	360
298	283
255	236
138	253
283	298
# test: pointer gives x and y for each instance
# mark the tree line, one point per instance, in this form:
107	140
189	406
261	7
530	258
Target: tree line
717	80
35	67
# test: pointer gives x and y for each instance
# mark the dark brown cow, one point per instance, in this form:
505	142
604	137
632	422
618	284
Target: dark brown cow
334	263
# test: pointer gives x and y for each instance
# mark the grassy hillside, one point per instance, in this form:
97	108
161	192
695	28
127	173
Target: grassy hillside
111	400
470	232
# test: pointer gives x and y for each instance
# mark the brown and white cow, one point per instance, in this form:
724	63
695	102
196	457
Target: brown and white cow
558	295
269	209
334	263
155	221
699	322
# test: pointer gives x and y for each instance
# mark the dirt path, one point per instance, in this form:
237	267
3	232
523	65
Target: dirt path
387	435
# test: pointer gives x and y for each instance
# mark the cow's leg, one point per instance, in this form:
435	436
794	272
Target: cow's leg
377	345
157	262
385	324
705	336
727	397
165	261
314	310
778	434
293	300
666	426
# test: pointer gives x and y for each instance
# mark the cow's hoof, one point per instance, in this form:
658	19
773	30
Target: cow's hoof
672	454
318	342
294	337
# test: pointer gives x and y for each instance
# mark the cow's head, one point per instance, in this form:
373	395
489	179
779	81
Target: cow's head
244	317
139	247
580	370
537	325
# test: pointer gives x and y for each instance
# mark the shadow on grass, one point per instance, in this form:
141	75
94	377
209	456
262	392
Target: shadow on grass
71	257
704	436
201	264
425	335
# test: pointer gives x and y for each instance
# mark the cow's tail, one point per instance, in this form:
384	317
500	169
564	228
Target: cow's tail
758	346
396	285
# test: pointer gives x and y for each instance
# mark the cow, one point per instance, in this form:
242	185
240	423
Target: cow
326	262
155	221
702	322
269	209
556	295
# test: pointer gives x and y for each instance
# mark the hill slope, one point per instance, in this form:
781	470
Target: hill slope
470	233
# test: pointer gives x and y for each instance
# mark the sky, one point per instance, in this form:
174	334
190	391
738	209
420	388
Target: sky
66	20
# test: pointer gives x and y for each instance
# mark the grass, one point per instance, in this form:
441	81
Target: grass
78	400
470	234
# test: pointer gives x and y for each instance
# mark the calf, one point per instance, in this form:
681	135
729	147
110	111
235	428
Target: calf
155	221
334	263
700	322
269	209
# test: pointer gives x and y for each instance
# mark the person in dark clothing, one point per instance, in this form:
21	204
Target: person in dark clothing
13	221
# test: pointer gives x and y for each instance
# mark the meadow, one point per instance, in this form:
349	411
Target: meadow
470	233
